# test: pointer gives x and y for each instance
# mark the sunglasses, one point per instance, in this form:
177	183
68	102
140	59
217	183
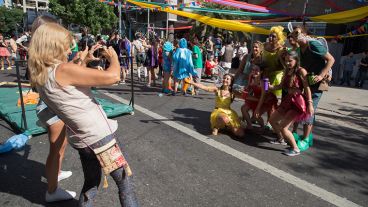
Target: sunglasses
272	36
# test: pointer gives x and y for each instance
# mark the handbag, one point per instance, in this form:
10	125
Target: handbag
112	159
325	83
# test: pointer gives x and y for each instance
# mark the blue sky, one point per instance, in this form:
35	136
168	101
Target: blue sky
1	2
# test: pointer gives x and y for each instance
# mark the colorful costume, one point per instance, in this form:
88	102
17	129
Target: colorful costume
4	52
183	64
295	101
167	52
273	69
152	57
270	100
223	107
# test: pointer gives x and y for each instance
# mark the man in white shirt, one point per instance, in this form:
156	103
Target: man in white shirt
243	50
23	39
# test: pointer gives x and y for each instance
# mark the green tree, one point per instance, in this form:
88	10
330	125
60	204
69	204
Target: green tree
90	13
9	18
206	30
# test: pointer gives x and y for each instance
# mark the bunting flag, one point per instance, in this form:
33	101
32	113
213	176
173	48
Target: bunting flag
343	17
358	32
219	23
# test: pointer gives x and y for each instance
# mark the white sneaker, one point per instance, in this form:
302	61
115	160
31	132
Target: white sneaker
64	175
59	195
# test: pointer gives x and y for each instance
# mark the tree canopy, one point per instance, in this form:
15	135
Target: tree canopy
93	14
9	18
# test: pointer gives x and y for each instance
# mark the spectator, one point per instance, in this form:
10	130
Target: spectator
4	53
348	66
362	72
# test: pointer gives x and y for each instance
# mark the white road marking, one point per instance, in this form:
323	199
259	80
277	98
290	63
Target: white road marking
297	182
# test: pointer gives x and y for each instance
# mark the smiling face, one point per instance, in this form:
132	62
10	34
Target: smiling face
292	41
227	81
273	38
256	49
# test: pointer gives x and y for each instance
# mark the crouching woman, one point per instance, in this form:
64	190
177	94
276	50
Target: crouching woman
65	88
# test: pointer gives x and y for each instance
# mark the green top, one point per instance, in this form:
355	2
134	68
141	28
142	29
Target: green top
75	49
197	61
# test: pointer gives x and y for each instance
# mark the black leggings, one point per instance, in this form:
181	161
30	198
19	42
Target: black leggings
92	179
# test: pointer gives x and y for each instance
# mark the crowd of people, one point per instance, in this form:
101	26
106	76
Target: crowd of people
297	75
283	81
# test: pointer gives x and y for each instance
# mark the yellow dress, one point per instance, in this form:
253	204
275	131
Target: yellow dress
223	107
274	70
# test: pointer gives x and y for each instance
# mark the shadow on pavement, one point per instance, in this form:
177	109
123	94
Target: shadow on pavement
22	177
195	118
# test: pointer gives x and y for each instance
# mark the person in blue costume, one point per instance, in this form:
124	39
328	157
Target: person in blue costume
167	66
183	66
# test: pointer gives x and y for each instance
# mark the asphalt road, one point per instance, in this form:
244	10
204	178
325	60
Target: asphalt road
176	162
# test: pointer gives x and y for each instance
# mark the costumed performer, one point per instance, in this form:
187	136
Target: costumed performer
168	49
223	117
183	66
296	105
271	60
315	58
252	96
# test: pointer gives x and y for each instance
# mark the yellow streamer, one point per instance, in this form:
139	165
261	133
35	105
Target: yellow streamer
219	23
234	25
343	17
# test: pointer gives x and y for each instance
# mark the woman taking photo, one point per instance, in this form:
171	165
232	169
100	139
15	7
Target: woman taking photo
65	88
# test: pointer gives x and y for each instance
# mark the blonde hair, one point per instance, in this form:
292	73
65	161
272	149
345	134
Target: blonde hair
278	30
48	47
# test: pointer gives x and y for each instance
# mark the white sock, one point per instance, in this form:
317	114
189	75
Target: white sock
145	71
59	195
139	72
64	175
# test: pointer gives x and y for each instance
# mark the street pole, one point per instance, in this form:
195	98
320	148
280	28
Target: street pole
304	11
148	21
167	25
119	10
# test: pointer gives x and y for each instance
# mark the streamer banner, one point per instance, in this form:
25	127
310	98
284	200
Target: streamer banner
343	17
219	23
209	10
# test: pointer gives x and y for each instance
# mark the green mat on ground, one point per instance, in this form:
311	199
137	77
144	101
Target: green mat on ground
10	112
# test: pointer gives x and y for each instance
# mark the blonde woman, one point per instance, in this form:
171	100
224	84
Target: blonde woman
57	140
271	57
65	88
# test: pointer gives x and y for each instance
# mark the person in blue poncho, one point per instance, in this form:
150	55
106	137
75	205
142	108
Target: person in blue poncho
183	66
168	49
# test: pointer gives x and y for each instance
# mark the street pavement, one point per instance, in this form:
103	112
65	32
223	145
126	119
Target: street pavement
177	162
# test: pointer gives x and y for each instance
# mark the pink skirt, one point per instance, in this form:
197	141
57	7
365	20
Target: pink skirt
295	102
4	52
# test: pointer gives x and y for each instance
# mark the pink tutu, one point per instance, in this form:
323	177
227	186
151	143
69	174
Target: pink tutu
295	102
4	52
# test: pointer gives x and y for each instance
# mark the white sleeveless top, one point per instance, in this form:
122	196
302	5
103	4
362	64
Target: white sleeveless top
86	121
